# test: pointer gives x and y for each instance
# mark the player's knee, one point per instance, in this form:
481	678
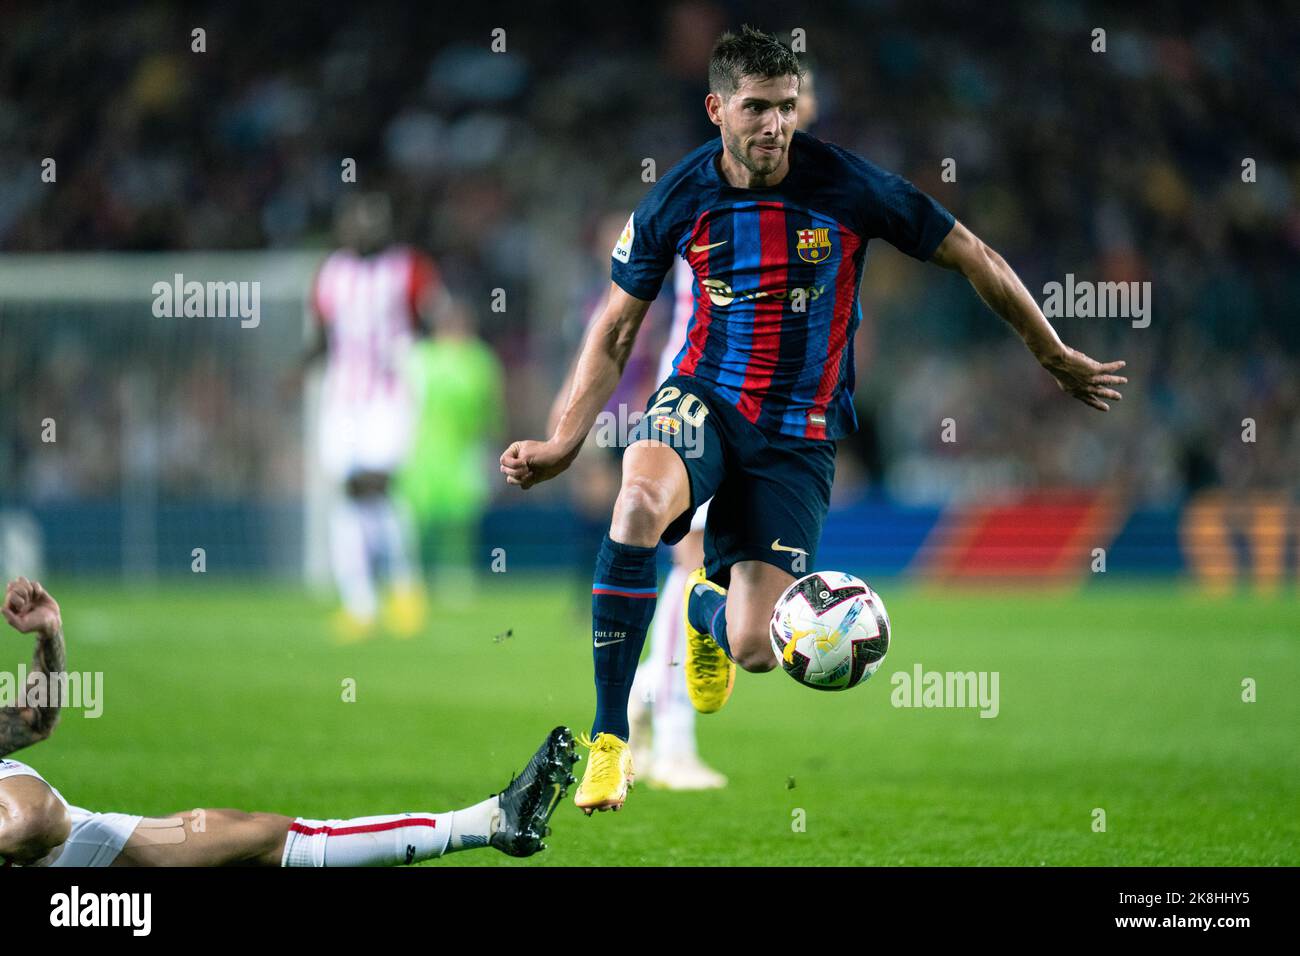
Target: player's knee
258	836
756	662
31	828
268	832
642	508
752	651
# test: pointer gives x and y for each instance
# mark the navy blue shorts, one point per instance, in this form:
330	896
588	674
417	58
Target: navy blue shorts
770	491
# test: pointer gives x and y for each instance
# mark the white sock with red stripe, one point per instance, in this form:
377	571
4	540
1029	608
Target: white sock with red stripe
394	840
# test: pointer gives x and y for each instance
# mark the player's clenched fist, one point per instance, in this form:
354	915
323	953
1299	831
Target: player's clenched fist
525	463
28	607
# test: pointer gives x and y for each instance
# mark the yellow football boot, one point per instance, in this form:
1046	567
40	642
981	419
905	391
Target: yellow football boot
406	611
347	628
710	674
608	776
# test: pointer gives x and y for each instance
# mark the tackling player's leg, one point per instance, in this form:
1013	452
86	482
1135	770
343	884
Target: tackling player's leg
513	821
37	828
209	837
654	491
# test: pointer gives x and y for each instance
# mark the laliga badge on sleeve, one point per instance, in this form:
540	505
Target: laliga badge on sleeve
623	250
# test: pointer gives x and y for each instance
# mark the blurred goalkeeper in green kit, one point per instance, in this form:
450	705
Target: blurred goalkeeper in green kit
457	383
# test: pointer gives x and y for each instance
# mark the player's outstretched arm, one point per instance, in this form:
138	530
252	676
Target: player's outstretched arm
29	609
600	364
1088	380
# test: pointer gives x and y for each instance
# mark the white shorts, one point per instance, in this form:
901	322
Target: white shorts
96	838
370	436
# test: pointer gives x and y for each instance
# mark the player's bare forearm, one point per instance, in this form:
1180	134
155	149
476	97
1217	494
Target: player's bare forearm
562	396
600	365
605	351
998	285
1003	292
29	609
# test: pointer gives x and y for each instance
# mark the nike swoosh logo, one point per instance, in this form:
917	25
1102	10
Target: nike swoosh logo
778	546
607	643
712	245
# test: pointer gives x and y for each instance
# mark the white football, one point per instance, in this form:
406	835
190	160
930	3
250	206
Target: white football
830	630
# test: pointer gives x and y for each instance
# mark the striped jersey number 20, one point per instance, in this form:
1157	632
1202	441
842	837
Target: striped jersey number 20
690	408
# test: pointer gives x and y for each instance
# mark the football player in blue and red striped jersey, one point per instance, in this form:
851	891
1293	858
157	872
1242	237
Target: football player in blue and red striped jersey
775	225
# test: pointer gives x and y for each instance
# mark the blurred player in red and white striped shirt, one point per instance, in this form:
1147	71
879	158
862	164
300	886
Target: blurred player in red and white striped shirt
370	300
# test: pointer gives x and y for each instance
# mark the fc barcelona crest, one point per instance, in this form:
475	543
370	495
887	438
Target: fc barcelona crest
814	244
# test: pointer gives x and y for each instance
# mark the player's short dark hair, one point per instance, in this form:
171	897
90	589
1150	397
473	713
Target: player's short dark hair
750	52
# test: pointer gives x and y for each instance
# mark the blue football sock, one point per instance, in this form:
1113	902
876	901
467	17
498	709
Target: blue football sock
622	605
707	610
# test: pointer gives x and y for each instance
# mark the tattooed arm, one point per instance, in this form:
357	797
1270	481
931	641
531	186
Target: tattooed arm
29	608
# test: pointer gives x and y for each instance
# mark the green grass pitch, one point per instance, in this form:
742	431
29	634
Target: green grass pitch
1125	700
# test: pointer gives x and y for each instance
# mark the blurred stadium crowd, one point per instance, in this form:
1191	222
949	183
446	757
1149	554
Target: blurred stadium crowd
1116	166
